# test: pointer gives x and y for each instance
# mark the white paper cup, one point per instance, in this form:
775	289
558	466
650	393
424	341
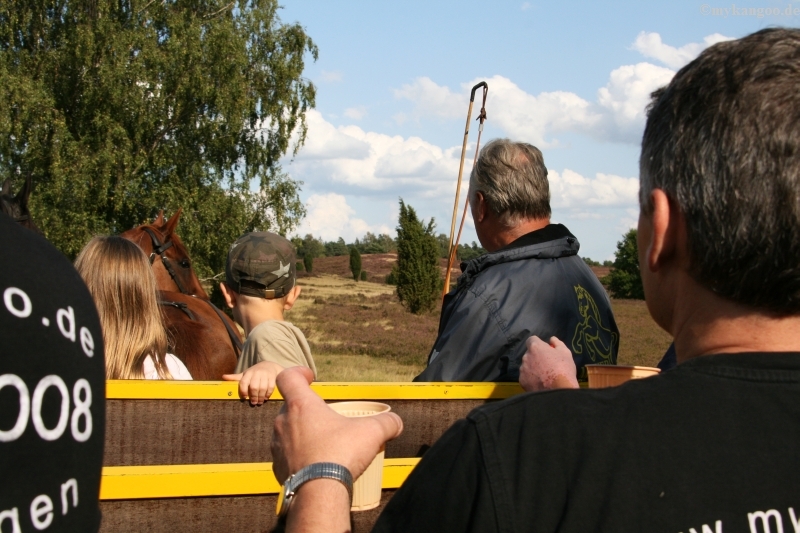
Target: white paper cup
602	376
367	488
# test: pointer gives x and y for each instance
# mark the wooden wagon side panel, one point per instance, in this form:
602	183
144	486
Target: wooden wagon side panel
240	514
185	456
159	432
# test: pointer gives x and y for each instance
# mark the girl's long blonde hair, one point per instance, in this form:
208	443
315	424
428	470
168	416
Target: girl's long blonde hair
124	290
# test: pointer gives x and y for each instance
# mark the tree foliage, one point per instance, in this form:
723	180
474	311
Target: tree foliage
418	274
355	263
309	246
308	263
336	248
376	244
119	108
625	280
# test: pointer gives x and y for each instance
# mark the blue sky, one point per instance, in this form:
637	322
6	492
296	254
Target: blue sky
572	78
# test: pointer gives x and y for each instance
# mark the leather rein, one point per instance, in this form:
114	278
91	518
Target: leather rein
160	249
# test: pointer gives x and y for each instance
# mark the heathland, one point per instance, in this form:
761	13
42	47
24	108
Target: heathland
358	331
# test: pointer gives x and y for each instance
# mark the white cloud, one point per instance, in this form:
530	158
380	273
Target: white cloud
372	161
331	76
649	44
431	99
330	217
617	114
324	141
568	189
356	113
624	98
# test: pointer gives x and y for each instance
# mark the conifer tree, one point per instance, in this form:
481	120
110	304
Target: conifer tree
355	263
418	273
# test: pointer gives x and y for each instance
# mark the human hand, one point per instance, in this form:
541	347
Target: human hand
257	382
307	431
547	366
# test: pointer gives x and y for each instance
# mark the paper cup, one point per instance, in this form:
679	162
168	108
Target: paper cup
602	376
367	488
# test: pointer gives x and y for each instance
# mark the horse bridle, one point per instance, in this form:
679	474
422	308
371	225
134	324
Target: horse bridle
160	249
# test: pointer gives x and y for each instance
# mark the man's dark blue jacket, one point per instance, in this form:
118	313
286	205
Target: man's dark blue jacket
537	285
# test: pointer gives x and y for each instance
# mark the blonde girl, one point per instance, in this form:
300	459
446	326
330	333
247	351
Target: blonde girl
123	287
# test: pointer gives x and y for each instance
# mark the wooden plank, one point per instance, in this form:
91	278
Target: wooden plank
239	514
227	390
238	479
159	432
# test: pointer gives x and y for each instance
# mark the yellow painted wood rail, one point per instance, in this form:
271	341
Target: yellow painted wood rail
227	390
234	479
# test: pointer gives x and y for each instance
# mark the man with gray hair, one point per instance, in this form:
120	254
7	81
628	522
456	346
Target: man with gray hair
531	282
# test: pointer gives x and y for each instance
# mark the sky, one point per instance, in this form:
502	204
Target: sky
572	78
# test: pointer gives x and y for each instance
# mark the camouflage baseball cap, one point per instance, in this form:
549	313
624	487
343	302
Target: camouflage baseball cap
261	264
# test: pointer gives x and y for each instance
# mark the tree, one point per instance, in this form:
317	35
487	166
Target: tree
355	263
308	262
119	108
336	248
625	280
418	273
309	246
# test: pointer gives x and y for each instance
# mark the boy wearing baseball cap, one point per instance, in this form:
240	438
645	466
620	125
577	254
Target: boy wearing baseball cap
260	284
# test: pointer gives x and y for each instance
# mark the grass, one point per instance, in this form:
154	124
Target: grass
642	342
358	331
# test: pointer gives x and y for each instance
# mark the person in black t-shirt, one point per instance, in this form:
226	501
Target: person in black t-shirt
52	389
709	446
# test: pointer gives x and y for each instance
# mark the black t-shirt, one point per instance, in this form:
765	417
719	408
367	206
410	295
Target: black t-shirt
709	447
52	389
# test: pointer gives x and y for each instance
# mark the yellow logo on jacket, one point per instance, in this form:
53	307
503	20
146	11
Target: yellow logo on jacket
591	337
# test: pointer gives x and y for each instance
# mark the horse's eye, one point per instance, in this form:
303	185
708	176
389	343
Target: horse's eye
185	263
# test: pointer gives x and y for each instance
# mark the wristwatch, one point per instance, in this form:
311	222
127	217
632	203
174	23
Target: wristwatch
307	473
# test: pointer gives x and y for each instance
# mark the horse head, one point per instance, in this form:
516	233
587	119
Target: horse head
168	256
17	206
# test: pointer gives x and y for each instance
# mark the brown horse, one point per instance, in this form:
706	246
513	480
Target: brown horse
203	337
17	206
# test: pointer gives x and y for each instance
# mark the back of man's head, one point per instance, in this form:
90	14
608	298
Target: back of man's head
723	141
513	180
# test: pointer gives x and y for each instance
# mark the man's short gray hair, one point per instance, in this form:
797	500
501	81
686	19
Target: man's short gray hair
513	180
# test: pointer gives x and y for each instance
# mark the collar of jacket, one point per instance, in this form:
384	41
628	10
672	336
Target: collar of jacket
551	242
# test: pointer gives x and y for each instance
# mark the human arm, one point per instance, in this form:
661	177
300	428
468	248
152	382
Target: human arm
307	431
547	366
257	382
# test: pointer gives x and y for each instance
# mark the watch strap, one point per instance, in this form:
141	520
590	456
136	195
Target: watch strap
308	473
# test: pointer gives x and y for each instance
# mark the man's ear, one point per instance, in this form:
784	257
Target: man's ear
664	227
479	208
291	297
229	295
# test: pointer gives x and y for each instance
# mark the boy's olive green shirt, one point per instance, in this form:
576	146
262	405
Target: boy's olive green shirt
279	342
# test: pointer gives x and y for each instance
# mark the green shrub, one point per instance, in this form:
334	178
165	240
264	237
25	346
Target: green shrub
363	275
391	279
625	280
299	266
308	261
355	263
